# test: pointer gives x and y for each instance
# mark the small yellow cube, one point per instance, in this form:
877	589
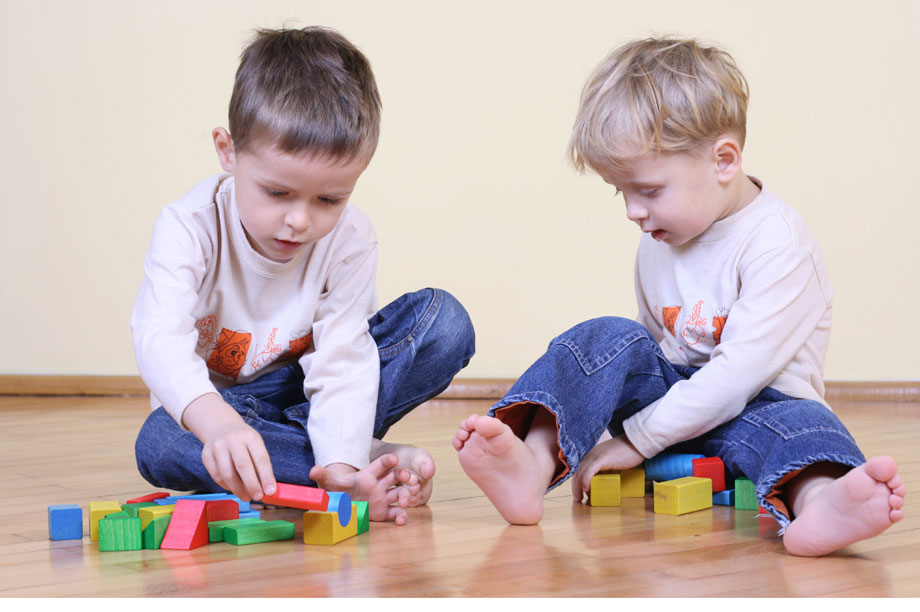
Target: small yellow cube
324	528
683	495
605	490
148	514
98	510
632	482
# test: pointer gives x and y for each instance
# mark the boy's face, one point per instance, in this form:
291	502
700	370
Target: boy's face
288	201
675	197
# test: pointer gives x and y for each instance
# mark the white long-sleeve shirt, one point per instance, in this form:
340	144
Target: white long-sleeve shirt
212	312
748	302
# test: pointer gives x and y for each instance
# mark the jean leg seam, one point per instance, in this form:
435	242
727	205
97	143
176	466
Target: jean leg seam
430	312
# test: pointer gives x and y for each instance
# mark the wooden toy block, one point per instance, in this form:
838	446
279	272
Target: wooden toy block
216	528
151	513
65	522
256	532
711	468
250	514
152	534
119	514
605	490
297	496
97	511
364	516
244	506
188	527
669	466
632	482
745	495
683	495
340	503
134	508
120	533
222	510
148	498
724	498
325	529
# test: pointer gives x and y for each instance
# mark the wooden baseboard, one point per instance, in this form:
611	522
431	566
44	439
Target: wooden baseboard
460	388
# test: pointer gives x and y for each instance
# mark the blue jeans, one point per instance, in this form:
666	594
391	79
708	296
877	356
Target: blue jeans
423	338
599	373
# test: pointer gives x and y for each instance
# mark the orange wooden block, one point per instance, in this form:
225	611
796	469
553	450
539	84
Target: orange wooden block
188	527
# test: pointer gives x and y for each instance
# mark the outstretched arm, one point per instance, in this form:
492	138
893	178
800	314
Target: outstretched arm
614	454
378	484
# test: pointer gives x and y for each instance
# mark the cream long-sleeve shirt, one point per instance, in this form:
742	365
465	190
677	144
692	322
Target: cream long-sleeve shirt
748	302
212	312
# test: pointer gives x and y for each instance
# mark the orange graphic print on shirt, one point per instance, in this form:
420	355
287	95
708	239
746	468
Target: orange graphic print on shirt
694	329
267	355
229	354
206	330
298	346
669	317
718	324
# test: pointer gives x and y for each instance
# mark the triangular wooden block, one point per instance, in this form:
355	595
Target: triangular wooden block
188	527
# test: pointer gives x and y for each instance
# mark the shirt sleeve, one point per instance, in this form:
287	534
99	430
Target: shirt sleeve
779	305
342	374
162	324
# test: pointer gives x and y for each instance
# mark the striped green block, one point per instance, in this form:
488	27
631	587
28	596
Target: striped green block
154	532
364	518
745	495
254	533
216	528
120	533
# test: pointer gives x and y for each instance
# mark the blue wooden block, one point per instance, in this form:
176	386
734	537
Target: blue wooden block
724	498
340	502
164	501
250	514
670	466
65	522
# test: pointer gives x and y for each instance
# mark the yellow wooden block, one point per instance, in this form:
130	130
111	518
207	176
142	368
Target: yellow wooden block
148	514
683	495
324	528
605	490
98	510
632	482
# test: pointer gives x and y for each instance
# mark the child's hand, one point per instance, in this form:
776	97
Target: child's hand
379	483
234	453
614	454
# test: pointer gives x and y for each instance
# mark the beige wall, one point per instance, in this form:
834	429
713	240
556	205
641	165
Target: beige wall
106	109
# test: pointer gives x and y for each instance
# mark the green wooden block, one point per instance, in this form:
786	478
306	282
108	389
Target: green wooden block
364	517
119	514
120	533
745	495
133	509
153	534
254	533
216	528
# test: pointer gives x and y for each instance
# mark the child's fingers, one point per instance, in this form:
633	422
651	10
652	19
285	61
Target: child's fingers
263	467
246	471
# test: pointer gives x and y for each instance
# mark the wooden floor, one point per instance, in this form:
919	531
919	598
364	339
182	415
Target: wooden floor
76	450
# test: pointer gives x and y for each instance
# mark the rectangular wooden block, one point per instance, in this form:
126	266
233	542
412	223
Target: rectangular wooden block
148	498
364	518
745	495
724	498
222	510
713	469
65	522
152	513
152	534
188	527
256	532
605	490
250	514
135	508
632	482
244	506
324	528
97	511
216	528
683	495
670	466
297	496
120	533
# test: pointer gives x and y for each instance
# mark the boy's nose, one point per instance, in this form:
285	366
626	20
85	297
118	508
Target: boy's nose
635	213
298	218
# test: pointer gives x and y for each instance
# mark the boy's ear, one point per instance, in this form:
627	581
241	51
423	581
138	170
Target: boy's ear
726	154
223	144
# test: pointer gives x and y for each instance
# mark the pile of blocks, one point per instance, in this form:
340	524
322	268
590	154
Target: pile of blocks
185	522
683	483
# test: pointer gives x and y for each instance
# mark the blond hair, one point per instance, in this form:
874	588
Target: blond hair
305	90
657	95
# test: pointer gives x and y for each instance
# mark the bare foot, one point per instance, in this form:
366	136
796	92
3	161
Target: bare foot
504	467
862	503
418	462
379	483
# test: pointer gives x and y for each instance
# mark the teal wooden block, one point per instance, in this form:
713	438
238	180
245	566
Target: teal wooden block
216	528
120	533
65	522
254	533
153	534
745	495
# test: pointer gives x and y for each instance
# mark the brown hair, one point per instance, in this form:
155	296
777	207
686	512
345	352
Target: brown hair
305	89
658	94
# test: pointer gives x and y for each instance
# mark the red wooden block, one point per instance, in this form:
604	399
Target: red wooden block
148	498
188	527
297	496
222	509
713	469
